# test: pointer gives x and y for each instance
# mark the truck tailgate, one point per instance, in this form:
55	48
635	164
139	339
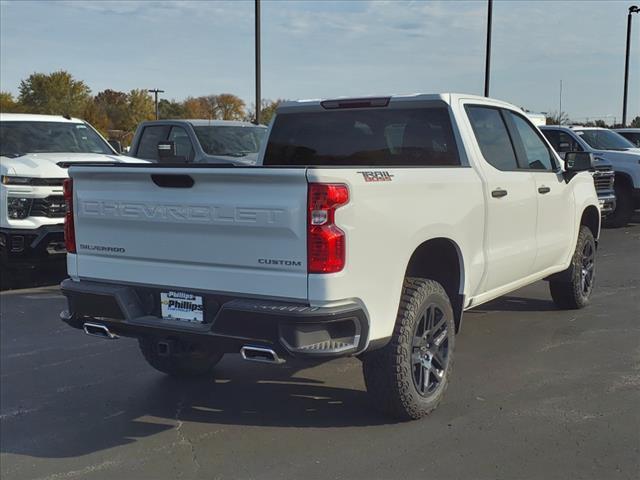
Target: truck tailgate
240	230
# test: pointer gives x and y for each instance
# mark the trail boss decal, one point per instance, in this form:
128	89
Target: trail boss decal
376	176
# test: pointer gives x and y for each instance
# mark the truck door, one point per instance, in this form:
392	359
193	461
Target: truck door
555	223
510	195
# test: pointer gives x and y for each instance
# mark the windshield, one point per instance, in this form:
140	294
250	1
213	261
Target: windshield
604	139
19	138
633	137
230	141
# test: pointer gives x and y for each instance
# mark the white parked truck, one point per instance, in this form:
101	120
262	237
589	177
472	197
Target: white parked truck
35	151
369	227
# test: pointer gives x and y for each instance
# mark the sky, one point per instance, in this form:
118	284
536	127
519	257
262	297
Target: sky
322	49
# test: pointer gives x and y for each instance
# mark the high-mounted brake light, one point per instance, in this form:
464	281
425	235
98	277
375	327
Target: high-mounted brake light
325	241
355	103
69	228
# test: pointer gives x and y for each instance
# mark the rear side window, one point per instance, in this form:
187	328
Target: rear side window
561	141
363	137
148	146
493	137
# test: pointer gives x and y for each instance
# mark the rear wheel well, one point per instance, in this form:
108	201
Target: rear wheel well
591	219
439	259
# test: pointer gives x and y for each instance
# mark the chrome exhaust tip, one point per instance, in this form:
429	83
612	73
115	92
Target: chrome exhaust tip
260	354
97	330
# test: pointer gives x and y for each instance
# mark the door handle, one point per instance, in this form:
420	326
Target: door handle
499	193
544	189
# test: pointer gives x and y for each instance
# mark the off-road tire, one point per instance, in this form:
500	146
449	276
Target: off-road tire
570	294
621	216
196	363
389	371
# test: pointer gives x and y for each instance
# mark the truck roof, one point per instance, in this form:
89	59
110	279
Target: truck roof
411	97
31	117
200	122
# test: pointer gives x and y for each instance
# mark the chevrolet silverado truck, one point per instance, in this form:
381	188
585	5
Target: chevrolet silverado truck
369	226
35	151
613	148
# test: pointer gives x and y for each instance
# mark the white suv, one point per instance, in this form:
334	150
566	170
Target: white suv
35	151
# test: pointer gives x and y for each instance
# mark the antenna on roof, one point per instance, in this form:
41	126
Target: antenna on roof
67	116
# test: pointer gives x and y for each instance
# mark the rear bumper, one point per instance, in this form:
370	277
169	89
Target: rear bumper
290	329
31	245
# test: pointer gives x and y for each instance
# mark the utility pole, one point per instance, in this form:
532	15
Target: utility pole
632	9
560	110
257	35
155	92
487	64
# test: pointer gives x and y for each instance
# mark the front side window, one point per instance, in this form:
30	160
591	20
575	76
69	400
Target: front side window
493	137
536	153
363	137
602	139
561	141
20	138
633	137
151	136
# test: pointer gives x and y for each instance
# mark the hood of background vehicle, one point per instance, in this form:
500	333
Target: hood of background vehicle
54	165
615	155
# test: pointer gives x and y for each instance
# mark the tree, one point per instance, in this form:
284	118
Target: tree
114	106
7	103
171	109
140	108
228	107
554	119
57	93
197	108
635	123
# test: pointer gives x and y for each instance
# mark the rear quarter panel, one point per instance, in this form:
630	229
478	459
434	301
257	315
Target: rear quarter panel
386	221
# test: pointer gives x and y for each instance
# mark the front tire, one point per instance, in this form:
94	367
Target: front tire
575	292
408	377
188	364
621	216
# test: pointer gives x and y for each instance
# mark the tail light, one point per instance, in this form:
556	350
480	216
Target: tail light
69	228
325	241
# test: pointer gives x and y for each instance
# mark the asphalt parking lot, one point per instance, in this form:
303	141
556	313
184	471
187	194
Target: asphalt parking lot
536	393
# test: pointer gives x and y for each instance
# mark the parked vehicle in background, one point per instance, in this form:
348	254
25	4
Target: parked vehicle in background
369	226
35	151
537	119
631	134
610	146
198	141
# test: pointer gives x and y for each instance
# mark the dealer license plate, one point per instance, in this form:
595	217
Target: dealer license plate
182	306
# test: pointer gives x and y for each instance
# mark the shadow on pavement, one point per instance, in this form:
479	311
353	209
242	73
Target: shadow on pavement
49	273
241	394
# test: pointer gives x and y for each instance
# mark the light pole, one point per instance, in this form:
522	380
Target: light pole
257	34
632	9
155	91
487	64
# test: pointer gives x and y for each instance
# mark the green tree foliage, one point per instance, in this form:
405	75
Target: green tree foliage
141	108
57	93
169	109
8	104
114	106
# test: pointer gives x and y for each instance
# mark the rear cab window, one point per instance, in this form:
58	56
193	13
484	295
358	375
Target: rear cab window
393	136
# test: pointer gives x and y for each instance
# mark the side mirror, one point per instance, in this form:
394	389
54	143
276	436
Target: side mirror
578	161
116	145
166	151
575	162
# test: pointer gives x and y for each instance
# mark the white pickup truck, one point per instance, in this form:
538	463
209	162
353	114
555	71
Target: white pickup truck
35	151
369	227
